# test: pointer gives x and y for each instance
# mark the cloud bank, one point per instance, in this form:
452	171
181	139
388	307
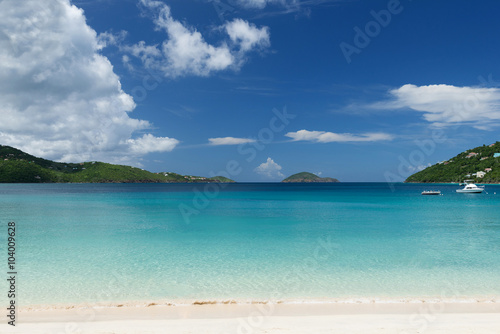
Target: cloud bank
329	137
59	97
445	105
185	51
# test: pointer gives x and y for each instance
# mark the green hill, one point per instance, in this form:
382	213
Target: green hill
306	177
17	166
463	166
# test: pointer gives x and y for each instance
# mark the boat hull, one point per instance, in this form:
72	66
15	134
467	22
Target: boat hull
470	191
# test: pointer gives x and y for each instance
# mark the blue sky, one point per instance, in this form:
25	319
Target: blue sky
373	90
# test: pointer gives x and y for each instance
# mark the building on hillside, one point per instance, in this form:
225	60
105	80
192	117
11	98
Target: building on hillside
483	158
487	170
496	155
480	174
472	154
492	145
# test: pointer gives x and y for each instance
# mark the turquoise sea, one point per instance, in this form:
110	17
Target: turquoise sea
118	243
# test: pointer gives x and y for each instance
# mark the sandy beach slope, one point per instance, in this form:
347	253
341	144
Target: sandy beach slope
400	318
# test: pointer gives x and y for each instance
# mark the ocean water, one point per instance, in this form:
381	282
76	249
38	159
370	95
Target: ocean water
119	243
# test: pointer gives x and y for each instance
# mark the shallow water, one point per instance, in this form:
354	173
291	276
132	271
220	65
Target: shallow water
126	242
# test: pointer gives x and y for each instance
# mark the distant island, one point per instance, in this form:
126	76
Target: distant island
306	177
17	166
481	164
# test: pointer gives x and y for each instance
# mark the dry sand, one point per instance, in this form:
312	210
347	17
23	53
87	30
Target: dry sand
394	318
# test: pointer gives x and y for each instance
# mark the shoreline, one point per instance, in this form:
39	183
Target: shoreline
138	304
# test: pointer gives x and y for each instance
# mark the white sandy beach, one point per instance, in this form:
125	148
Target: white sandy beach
400	318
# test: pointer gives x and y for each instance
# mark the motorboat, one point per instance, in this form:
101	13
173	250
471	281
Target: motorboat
431	192
471	188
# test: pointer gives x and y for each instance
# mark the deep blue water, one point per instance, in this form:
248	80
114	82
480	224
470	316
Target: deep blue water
132	242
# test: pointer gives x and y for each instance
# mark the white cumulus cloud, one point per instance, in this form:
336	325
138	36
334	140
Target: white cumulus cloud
149	143
229	141
269	169
328	137
248	36
444	105
185	51
59	97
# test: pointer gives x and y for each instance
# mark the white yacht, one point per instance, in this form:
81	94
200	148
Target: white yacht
470	188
